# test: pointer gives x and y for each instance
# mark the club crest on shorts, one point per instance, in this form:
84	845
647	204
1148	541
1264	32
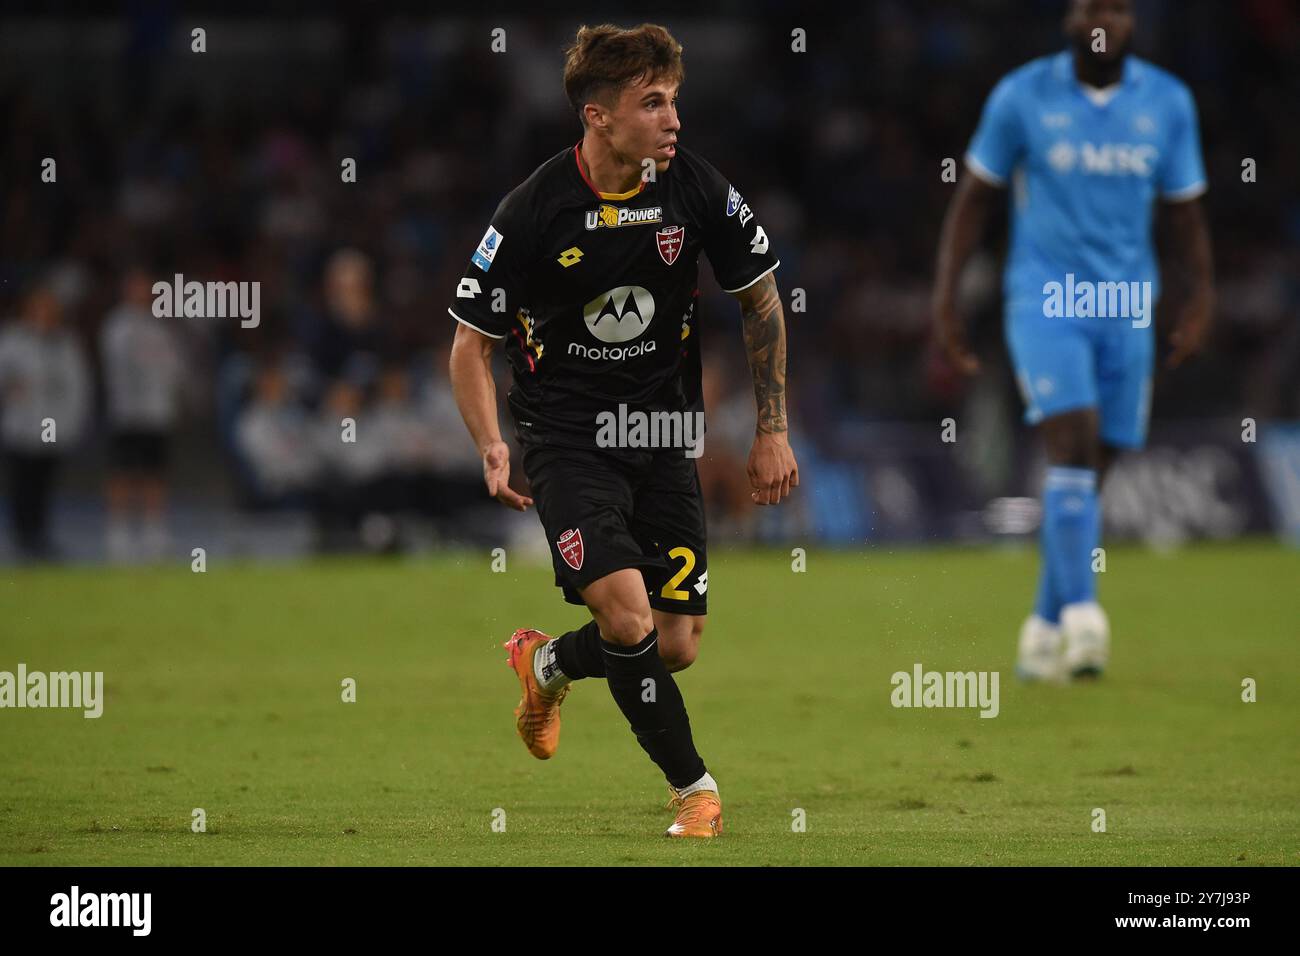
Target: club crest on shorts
570	546
670	242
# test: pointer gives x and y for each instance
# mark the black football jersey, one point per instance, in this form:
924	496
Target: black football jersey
595	293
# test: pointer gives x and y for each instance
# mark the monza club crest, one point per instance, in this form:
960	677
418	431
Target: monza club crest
670	242
570	547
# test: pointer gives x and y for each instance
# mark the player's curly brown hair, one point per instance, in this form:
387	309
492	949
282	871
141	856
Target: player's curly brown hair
604	59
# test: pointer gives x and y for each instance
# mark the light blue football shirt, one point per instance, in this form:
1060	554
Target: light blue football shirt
1084	177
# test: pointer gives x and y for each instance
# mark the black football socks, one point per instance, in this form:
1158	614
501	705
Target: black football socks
652	704
578	652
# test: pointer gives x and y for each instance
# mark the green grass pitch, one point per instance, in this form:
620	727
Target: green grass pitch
223	692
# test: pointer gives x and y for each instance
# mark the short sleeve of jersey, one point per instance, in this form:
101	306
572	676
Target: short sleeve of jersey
999	140
737	245
1182	173
500	262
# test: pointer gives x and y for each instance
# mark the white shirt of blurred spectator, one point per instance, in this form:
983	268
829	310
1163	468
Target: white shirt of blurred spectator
454	450
406	437
42	375
353	462
277	441
144	370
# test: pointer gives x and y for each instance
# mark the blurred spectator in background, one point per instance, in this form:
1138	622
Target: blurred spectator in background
431	465
353	455
274	437
144	369
44	393
349	338
407	442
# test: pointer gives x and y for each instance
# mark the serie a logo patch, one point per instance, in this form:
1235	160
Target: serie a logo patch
487	249
570	547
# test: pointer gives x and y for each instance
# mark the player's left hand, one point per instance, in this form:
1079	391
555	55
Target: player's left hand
772	468
1189	335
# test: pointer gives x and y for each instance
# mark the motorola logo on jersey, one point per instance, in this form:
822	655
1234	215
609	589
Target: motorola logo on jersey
1107	159
606	216
620	315
617	316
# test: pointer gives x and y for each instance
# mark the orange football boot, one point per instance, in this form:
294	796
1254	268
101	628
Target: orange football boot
698	815
538	715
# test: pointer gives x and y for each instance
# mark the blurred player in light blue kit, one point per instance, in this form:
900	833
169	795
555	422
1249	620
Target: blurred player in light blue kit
1086	141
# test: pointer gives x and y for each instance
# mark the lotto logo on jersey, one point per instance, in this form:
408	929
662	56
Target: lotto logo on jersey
569	545
606	216
487	249
1107	159
670	242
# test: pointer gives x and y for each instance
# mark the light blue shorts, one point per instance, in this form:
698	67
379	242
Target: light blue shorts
1066	364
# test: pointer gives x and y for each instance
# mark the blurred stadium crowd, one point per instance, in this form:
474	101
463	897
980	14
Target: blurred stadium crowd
225	165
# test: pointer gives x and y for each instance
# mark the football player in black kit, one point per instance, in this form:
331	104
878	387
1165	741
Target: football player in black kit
588	272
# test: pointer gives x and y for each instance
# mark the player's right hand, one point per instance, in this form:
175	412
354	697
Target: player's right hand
772	468
951	337
496	474
1191	332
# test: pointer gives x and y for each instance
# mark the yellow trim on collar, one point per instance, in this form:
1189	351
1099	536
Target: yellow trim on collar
627	195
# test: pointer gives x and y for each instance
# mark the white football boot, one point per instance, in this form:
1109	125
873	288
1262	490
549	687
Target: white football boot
1087	639
1042	651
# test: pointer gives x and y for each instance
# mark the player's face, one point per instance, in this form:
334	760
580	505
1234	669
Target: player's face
1114	17
644	123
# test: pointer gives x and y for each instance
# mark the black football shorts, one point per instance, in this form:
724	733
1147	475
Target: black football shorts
606	510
